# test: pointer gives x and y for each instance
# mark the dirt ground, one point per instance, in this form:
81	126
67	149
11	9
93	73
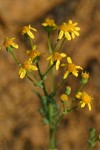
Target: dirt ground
21	126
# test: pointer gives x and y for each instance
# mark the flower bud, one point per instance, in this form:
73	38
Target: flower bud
64	98
68	90
85	77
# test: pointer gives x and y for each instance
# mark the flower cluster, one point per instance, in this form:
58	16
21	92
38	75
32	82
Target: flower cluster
57	60
66	31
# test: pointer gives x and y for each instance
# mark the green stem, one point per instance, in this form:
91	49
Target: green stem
80	88
49	43
30	79
55	45
41	76
51	52
64	108
52	126
16	60
89	147
34	76
49	69
52	80
64	112
59	86
52	145
62	44
31	43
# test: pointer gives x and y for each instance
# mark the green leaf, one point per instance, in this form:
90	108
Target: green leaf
92	137
54	105
46	121
43	101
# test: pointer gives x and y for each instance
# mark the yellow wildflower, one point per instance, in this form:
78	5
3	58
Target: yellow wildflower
64	97
85	99
33	53
71	68
69	30
56	57
50	23
27	30
26	67
9	42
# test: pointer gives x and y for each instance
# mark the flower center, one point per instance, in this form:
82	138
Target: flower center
86	98
57	56
7	43
67	27
27	64
26	28
71	67
50	22
34	54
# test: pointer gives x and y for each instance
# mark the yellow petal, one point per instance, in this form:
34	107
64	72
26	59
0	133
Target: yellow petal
14	45
44	24
33	29
75	24
70	21
66	75
68	36
51	61
30	34
83	105
69	60
78	67
32	67
73	35
63	65
61	33
76	33
22	73
48	58
75	73
89	106
78	95
57	64
77	28
63	55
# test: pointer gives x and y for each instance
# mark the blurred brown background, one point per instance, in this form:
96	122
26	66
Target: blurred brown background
21	126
